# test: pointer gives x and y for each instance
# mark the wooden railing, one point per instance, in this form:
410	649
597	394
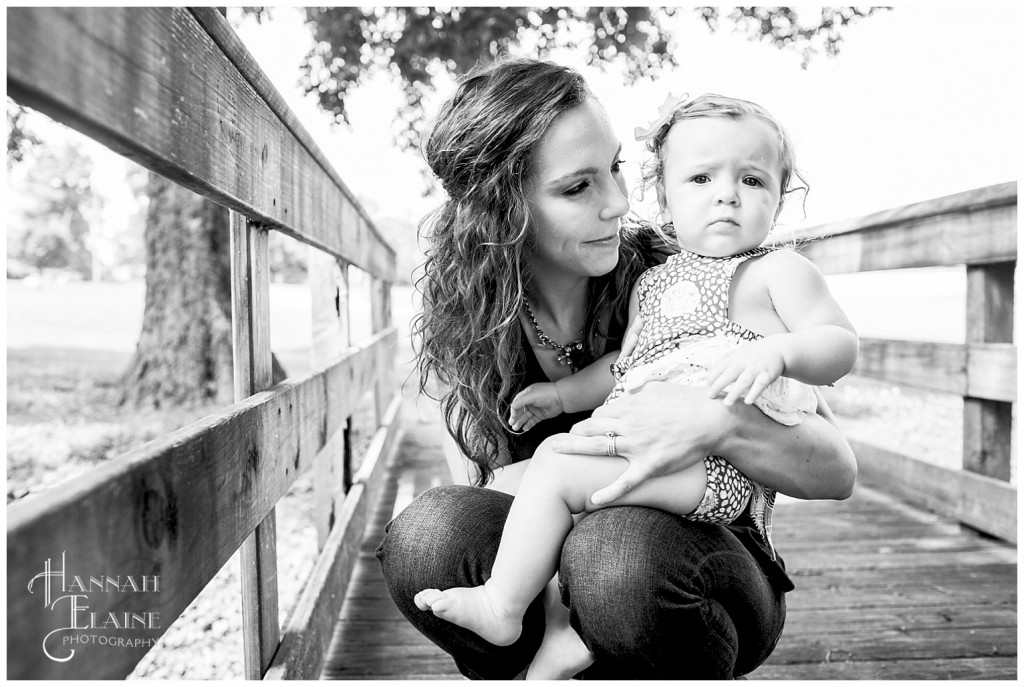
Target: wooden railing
175	90
977	229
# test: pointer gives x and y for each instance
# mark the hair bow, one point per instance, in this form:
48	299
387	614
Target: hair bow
665	113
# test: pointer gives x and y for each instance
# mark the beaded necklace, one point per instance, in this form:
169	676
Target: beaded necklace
568	354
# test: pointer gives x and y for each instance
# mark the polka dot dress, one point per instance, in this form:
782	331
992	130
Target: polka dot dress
685	300
684	305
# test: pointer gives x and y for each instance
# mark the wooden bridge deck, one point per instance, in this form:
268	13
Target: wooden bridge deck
884	591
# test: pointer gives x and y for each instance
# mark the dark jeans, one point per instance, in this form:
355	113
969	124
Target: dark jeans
652	595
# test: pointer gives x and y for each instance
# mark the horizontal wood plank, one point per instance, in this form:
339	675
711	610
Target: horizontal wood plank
970	228
901	618
896	645
988	668
981	502
963	202
177	507
309	629
152	84
970	239
986	371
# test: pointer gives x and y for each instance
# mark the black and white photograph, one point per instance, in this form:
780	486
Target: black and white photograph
416	343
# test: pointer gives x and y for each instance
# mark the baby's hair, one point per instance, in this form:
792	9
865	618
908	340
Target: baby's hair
713	105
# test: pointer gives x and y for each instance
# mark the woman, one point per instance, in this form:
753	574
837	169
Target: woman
527	279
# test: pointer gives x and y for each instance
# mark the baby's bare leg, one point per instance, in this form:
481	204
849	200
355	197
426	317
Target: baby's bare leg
555	486
531	543
562	653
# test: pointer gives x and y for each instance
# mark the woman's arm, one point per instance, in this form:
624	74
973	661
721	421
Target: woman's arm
668	427
811	460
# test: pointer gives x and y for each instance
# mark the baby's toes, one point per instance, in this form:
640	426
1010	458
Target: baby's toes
426	599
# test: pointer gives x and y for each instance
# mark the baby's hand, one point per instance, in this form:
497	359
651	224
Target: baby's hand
746	372
534	403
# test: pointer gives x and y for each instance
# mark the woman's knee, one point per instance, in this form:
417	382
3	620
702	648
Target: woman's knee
445	532
607	560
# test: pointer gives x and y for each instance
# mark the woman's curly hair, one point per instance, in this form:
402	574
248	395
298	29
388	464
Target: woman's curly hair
479	250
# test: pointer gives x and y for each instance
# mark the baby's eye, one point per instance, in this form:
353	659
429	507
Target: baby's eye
701	179
752	181
617	166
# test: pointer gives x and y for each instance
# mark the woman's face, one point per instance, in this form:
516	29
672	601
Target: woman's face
576	195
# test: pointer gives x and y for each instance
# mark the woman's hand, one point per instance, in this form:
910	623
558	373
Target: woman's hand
665	428
661	430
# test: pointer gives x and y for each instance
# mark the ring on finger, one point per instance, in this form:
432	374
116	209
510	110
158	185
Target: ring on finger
610	448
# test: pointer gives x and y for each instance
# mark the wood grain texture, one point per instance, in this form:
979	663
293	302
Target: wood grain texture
372	640
153	85
380	319
992	371
250	319
982	502
884	591
308	631
972	239
982	370
328	286
988	424
969	228
177	507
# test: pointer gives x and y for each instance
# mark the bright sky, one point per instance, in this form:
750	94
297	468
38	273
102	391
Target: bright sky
921	102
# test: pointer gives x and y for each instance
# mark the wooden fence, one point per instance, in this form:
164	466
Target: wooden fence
118	555
977	229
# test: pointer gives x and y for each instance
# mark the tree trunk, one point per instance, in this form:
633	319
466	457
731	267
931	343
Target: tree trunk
184	356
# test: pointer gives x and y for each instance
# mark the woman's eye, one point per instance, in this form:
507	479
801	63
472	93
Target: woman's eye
617	166
575	190
752	181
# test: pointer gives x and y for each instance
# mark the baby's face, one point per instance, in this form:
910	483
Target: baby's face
721	184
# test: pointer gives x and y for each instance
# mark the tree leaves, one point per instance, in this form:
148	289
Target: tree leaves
416	44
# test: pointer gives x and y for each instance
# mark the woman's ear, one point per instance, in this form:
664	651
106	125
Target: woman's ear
662	205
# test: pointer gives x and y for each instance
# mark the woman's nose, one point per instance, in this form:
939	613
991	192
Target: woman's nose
616	203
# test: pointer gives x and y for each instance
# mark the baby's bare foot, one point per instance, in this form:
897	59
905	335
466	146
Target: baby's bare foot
474	609
562	653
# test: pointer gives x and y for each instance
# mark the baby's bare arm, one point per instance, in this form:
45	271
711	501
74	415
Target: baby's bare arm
821	345
588	388
808	336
